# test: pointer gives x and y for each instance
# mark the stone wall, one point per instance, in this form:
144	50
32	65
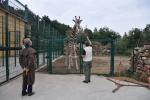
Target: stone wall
141	62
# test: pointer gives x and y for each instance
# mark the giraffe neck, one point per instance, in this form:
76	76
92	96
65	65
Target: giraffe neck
75	29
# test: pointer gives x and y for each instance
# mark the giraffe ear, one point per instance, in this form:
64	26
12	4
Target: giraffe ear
75	17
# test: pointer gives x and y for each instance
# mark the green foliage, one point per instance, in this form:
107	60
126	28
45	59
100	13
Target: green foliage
88	32
104	33
95	30
121	46
46	19
146	33
62	28
134	38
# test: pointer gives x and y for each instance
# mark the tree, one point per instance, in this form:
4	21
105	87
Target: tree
146	33
62	28
88	32
46	19
95	30
105	33
135	37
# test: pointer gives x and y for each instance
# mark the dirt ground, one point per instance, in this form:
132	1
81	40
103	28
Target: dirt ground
100	65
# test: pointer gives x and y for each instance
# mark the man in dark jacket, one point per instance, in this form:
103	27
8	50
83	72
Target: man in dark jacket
28	64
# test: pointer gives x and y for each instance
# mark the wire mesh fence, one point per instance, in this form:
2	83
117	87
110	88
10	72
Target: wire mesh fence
18	22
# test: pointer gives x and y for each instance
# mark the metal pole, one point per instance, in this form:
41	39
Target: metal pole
52	44
7	42
50	52
26	21
37	42
62	52
15	35
20	3
3	39
81	60
112	57
133	66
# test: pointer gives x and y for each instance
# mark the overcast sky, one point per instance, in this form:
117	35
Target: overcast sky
118	15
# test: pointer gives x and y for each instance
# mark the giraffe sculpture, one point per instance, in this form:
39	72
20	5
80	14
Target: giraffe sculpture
72	58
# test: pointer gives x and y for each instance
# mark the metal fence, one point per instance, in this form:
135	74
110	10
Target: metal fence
47	41
11	32
16	23
103	61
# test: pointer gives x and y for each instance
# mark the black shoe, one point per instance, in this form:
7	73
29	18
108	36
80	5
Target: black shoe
89	81
30	94
24	93
85	81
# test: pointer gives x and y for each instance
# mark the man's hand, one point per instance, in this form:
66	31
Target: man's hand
27	70
24	69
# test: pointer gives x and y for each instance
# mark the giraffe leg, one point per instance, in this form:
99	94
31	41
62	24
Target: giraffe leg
75	55
76	62
71	61
67	57
67	61
69	65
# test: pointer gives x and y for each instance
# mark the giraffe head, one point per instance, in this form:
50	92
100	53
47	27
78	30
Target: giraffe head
77	22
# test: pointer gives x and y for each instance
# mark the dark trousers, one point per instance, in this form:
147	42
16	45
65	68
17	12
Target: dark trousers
87	70
26	88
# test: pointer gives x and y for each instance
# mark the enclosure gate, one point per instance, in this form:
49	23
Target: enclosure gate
56	64
10	40
12	31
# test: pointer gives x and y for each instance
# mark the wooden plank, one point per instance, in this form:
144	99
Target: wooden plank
126	79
